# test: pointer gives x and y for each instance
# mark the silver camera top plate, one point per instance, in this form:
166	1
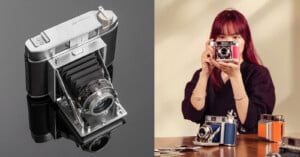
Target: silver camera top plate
70	33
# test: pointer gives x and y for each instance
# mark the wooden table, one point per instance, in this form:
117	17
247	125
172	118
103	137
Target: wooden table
247	146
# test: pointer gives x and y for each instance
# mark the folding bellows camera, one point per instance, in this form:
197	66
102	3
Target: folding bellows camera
68	80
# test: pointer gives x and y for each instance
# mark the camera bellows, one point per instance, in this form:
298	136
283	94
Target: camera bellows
86	81
79	73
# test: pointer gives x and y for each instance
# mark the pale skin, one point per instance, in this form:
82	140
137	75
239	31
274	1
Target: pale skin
230	71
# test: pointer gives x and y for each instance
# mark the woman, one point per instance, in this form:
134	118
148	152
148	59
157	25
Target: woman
242	85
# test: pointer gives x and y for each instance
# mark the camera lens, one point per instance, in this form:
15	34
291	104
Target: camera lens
97	96
202	131
224	53
103	104
205	131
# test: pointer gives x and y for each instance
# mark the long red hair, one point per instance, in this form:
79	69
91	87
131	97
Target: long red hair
240	25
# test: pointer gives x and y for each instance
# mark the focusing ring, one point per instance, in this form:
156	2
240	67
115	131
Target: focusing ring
207	132
97	97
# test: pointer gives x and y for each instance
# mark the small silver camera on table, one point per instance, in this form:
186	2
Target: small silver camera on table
68	80
217	130
290	146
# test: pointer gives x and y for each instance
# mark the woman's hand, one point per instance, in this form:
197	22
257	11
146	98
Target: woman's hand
232	69
206	58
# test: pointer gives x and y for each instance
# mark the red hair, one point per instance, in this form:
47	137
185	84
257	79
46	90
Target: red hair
240	25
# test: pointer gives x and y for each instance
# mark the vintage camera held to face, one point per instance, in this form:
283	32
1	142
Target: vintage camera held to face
225	51
290	146
217	130
68	80
271	127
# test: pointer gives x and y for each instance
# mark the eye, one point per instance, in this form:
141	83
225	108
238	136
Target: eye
221	36
236	36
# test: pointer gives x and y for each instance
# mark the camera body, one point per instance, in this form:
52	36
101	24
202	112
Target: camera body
218	130
290	146
225	51
69	81
271	127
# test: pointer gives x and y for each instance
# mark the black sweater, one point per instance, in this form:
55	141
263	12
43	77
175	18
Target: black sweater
259	88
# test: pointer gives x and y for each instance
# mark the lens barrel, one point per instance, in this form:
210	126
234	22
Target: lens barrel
224	53
205	131
97	97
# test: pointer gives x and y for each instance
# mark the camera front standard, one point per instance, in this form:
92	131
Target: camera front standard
225	51
69	71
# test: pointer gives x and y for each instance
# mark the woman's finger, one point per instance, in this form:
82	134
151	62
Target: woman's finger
215	63
209	49
228	64
207	43
207	60
226	67
236	61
